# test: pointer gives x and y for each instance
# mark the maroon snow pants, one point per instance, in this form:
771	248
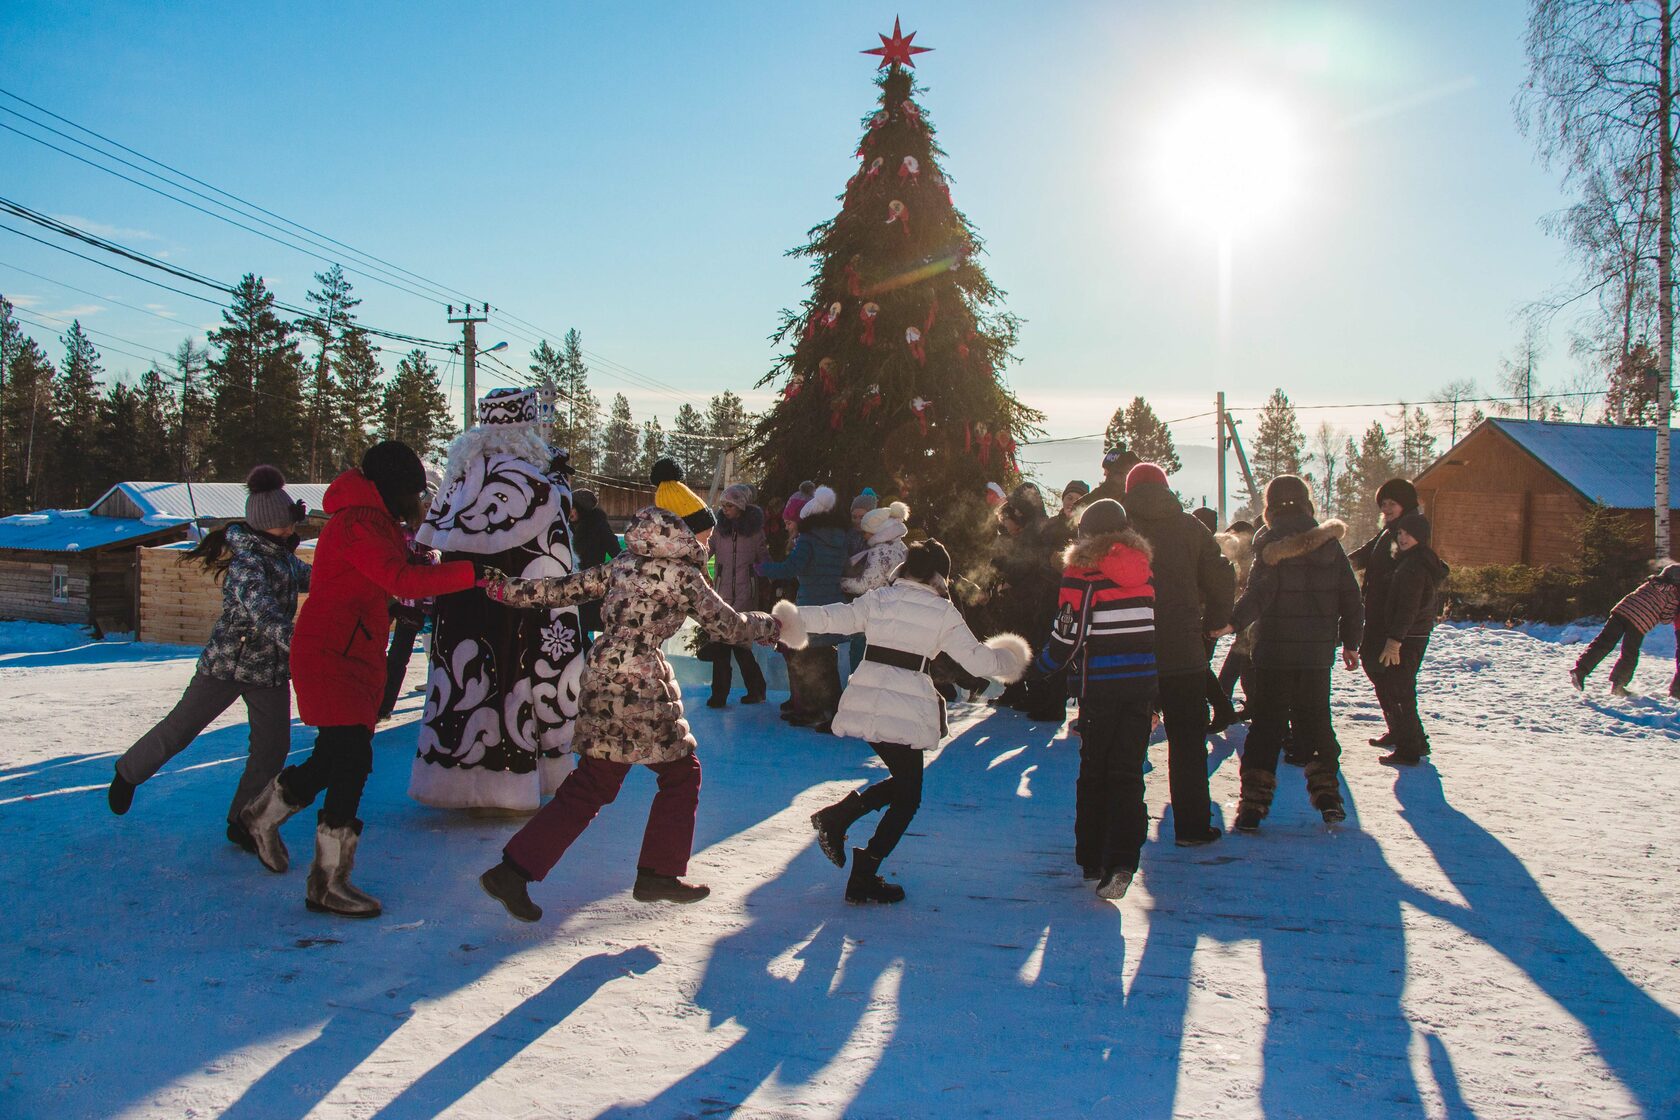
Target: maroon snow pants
666	843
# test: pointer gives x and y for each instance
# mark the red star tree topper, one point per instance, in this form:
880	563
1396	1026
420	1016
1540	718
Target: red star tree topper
898	346
897	49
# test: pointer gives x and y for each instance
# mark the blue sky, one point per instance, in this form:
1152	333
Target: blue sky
639	170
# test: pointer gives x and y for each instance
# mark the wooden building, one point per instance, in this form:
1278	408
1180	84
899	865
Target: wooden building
79	566
179	600
1514	491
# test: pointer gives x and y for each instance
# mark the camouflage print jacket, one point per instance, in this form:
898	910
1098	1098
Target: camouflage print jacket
252	641
630	709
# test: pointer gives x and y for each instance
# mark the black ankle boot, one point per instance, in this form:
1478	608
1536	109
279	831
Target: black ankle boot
508	885
831	824
121	794
654	887
865	885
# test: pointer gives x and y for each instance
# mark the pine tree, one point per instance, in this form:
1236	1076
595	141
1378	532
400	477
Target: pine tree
1137	427
256	385
27	424
414	409
1327	455
1349	502
76	407
334	316
1373	464
621	449
688	443
1453	409
117	452
1631	397
1280	444
892	376
195	413
653	447
1414	441
726	418
157	418
361	398
577	411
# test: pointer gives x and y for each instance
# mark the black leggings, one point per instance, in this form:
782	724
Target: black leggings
1616	629
340	764
900	794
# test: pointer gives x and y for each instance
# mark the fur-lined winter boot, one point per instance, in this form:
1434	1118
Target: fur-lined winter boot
262	818
654	887
867	886
1255	802
329	889
831	825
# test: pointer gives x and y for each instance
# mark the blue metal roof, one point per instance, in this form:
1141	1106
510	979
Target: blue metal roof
76	530
1608	465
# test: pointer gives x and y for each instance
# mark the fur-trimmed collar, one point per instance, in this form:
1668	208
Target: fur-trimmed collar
1235	546
750	521
1088	552
1309	540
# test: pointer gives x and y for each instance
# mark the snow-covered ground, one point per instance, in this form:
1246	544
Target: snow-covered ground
1493	936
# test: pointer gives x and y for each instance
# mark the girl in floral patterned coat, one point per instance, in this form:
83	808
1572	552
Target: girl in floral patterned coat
630	711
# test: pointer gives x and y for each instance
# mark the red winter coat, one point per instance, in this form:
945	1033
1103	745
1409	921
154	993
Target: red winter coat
338	646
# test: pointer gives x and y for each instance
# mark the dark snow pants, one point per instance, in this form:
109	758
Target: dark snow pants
270	714
1236	668
752	677
667	842
1397	690
1184	712
1294	698
340	765
403	633
1616	629
900	795
1110	819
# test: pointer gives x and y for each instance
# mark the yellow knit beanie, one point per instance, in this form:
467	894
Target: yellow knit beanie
670	493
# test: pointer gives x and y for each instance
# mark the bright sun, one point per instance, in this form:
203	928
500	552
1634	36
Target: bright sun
1229	160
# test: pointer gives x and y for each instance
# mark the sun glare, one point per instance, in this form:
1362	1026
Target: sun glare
1229	160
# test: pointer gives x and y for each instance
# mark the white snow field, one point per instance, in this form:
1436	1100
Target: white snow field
1491	936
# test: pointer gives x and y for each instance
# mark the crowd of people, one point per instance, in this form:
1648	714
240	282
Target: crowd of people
1115	602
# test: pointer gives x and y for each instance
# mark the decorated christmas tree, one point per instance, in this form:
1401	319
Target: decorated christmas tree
892	379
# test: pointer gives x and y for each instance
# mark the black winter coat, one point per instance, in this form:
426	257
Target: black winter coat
593	544
1302	595
1414	594
252	640
1029	564
1376	559
1194	583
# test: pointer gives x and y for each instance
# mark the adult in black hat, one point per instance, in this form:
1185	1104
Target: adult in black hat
1395	499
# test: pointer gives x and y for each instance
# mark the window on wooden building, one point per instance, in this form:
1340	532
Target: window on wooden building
61	583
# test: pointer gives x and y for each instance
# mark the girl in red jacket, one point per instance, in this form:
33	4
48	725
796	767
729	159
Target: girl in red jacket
338	666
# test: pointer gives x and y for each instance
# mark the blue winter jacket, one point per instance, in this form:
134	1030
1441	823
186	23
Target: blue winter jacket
816	560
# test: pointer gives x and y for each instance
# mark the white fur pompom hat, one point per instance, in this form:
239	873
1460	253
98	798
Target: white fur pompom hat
877	519
821	502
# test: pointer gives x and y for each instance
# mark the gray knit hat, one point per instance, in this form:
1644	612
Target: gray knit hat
267	505
865	501
739	495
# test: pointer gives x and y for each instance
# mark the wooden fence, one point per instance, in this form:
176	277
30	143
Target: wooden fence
179	600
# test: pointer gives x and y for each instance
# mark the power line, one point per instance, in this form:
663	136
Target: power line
103	334
67	230
95	295
443	291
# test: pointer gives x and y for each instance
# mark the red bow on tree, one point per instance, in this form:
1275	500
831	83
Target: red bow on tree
909	168
871	401
854	279
795	383
913	339
825	373
898	212
922	408
868	313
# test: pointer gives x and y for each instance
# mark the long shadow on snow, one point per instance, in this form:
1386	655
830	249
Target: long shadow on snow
1634	1034
177	953
98	653
824	991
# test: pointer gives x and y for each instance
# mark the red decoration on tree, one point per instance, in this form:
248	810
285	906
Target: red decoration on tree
910	168
898	49
832	316
933	313
913	339
1006	447
868	314
912	111
962	349
837	414
922	408
825	374
854	279
898	212
986	440
795	383
871	401
874	171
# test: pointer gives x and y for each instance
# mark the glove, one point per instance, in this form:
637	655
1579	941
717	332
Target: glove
494	584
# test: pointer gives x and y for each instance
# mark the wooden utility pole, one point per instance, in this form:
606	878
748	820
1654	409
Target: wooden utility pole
469	358
1665	277
1219	447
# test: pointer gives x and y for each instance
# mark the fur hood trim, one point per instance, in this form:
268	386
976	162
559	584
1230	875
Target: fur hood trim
749	521
1303	543
1235	545
1088	552
1016	649
793	634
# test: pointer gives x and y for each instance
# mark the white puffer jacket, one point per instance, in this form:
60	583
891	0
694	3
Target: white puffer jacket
884	703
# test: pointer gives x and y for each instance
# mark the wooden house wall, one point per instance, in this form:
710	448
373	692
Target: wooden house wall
26	586
179	599
1491	502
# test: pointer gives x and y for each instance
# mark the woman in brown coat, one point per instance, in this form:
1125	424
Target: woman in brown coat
630	712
